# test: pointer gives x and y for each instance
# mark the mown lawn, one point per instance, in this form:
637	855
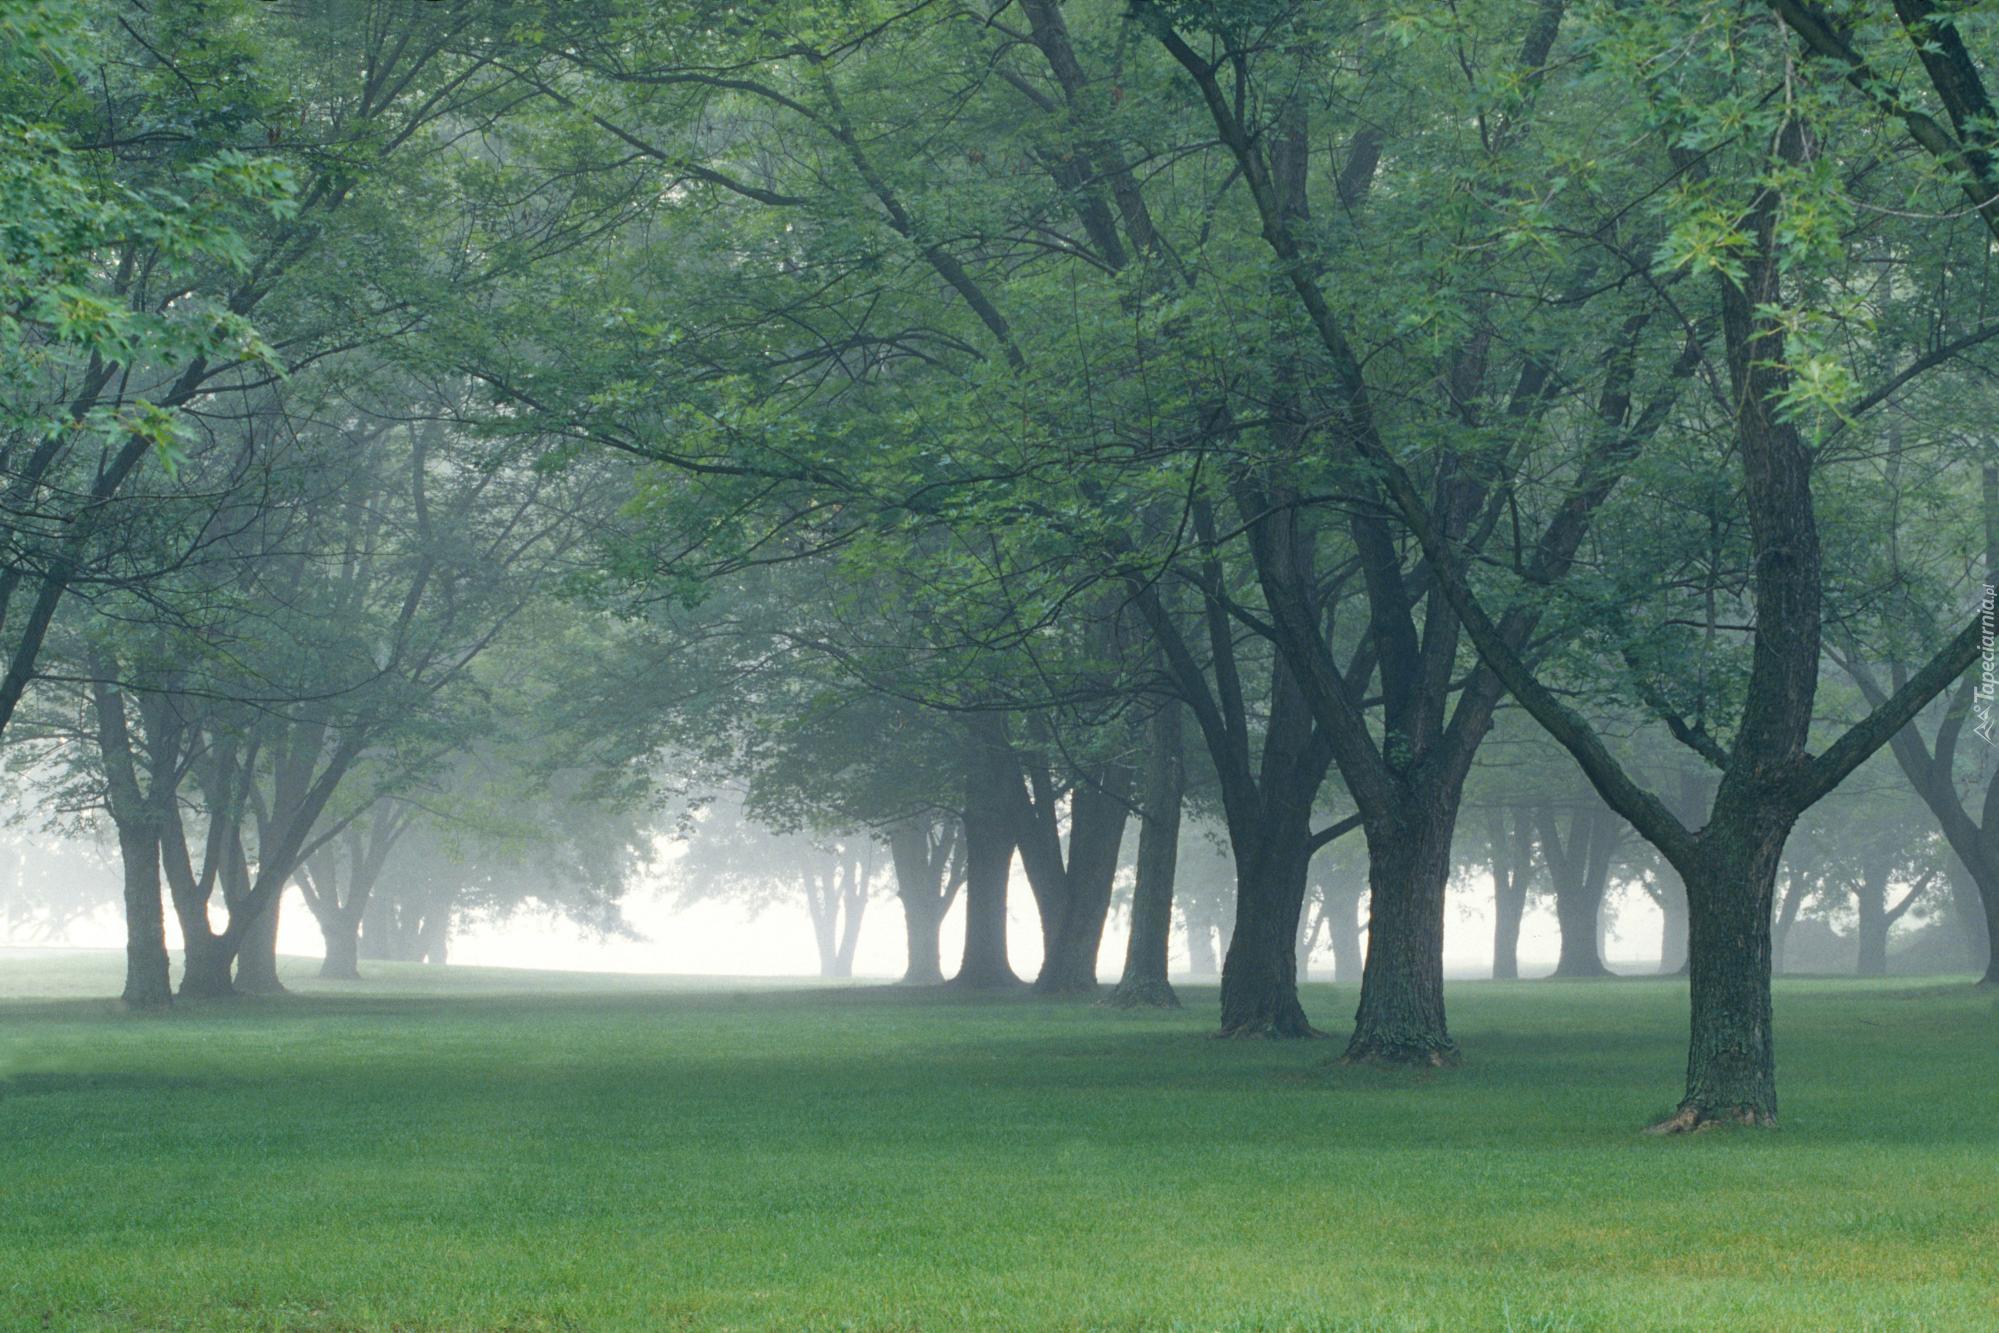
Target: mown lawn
463	1152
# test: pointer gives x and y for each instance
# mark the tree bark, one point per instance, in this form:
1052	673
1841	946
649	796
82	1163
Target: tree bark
988	865
1580	869
1509	892
1401	1015
1097	815
1343	932
1871	904
1731	1061
205	968
922	887
1202	962
147	984
257	958
342	931
1144	982
1260	970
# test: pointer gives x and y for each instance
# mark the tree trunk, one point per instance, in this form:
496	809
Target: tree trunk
378	929
1260	969
1509	894
1343	932
147	984
1097	815
257	958
1731	1060
1580	869
1871	901
988	864
342	932
433	939
205	966
1401	1015
1673	930
1144	981
1310	923
917	887
921	922
1202	964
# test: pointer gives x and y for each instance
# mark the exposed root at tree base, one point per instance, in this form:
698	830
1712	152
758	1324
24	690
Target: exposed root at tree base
1690	1119
1270	1031
1141	995
1401	1054
989	985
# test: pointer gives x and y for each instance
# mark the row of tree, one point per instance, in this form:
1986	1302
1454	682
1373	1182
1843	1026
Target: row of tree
986	424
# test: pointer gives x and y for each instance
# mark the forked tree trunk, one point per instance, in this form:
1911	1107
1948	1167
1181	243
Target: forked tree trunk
1401	1015
1096	831
1731	1061
921	888
147	984
1144	982
1580	870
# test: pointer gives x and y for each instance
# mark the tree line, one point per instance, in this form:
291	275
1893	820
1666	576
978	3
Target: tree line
1001	434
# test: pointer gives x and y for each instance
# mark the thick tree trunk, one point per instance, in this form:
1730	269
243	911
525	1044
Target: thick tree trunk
1578	913
257	958
342	932
988	864
205	966
922	920
1260	970
1731	1059
1580	870
147	984
1144	981
1401	1015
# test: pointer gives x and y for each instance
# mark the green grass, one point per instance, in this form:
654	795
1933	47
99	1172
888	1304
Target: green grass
465	1152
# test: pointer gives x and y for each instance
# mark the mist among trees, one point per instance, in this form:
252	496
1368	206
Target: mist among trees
1242	488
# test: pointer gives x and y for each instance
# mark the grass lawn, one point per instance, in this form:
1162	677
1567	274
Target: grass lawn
463	1151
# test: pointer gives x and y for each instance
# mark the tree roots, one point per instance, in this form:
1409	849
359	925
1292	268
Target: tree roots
1141	995
1692	1119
